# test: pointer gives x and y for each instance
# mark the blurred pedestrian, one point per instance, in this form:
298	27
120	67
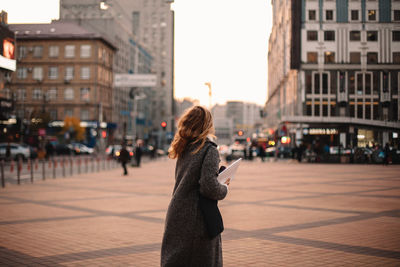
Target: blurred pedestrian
49	149
185	240
261	152
124	158
386	150
8	152
138	152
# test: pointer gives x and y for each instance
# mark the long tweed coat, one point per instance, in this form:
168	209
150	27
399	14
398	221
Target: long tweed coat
185	241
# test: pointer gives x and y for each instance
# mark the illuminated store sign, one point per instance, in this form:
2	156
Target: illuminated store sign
322	131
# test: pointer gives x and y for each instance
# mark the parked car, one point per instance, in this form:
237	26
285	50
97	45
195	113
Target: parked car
80	149
17	151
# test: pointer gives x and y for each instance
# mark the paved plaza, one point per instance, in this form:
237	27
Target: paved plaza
276	214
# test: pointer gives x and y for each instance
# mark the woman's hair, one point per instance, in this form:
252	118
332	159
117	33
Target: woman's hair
193	127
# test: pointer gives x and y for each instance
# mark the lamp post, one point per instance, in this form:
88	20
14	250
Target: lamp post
209	93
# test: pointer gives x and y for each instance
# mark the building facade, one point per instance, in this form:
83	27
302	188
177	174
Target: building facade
342	87
63	70
132	106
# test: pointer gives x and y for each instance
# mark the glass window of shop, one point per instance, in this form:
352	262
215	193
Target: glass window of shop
360	110
368	83
308	82
359	84
395	112
316	83
368	110
352	109
333	109
394	81
324	83
376	82
317	108
334	82
308	108
351	82
325	108
376	111
365	137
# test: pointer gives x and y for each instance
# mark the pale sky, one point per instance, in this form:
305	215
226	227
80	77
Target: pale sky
224	42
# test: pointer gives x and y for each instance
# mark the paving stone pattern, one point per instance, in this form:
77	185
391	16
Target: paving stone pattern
276	214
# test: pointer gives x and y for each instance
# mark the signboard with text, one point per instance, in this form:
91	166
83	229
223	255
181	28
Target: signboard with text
135	80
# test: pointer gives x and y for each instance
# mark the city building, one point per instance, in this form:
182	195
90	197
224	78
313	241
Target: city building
140	29
63	70
133	108
336	74
7	67
153	25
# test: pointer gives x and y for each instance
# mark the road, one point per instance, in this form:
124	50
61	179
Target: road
276	214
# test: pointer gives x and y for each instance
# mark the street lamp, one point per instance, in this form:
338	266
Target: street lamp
209	94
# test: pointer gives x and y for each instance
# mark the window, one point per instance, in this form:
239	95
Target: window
354	14
352	110
312	36
84	114
37	94
396	57
368	111
69	94
85	73
355	57
38	73
372	36
396	15
316	83
329	35
52	93
22	51
372	58
68	112
53	51
324	83
316	109
325	110
360	111
37	51
21	94
359	84
372	15
85	94
312	15
308	82
396	36
69	51
7	93
69	73
85	51
351	82
355	35
368	83
53	114
329	57
308	110
333	109
312	57
53	73
329	14
22	73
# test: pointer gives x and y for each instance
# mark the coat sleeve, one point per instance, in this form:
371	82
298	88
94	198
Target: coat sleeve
209	185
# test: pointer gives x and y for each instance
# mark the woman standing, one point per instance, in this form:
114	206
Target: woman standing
185	241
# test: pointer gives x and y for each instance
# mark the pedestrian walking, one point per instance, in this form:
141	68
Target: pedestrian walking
138	152
386	150
186	241
49	149
261	152
124	158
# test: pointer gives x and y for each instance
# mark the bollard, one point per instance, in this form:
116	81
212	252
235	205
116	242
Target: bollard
3	184
12	166
36	164
92	160
86	163
70	166
79	166
54	169
31	167
19	167
43	171
63	166
98	164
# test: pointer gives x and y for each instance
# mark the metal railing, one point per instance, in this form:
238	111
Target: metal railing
15	172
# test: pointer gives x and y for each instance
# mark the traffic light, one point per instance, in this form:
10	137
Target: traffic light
164	125
240	133
342	79
103	134
385	82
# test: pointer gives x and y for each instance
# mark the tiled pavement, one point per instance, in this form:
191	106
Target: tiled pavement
276	214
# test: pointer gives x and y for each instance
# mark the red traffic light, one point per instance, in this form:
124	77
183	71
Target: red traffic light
103	134
240	133
163	124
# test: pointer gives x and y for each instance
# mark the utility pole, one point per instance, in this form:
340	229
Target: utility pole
209	94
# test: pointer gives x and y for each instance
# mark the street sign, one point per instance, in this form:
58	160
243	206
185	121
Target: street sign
135	80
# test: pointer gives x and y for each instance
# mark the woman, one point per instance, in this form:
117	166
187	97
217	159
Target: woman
185	241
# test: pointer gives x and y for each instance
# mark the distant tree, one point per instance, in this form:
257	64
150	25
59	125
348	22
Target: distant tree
74	129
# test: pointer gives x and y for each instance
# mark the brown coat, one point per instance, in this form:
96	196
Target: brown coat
185	241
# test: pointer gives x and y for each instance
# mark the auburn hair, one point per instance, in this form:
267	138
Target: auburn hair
193	127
